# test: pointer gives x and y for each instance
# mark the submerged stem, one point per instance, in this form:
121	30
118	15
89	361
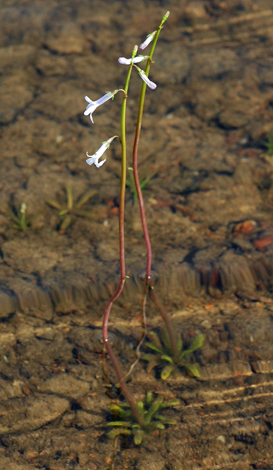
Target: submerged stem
122	256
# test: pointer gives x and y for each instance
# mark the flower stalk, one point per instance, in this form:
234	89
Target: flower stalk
135	153
154	37
121	252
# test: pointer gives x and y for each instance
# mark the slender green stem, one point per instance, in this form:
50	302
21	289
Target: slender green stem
122	256
140	196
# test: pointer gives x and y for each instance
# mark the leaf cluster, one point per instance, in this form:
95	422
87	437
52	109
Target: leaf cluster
71	208
164	355
149	410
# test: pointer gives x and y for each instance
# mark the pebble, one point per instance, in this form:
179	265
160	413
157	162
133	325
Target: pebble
65	385
195	13
206	324
7	304
33	257
31	413
67	41
15	94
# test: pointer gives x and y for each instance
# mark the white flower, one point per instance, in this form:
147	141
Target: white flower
135	60
144	77
147	41
90	108
95	158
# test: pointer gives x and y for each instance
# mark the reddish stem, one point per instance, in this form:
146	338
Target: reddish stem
141	207
121	256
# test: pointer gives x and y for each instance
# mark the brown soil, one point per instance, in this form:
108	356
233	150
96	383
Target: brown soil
209	210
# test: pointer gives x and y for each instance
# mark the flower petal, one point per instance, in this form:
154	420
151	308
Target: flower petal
135	60
144	77
95	158
91	159
124	61
90	108
140	58
105	98
98	164
147	41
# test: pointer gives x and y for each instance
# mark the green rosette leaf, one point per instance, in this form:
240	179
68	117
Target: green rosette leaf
193	370
138	436
166	372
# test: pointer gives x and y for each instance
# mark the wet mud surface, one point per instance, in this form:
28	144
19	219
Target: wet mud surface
209	208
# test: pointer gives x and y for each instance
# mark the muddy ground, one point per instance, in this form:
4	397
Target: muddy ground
207	146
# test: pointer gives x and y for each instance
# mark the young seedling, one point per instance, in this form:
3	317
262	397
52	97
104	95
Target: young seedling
150	410
20	219
163	354
72	210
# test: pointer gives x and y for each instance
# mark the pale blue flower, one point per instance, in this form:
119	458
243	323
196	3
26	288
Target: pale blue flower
135	60
90	108
147	41
95	158
144	77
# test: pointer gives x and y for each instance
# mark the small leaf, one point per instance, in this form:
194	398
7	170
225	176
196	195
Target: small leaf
155	339
117	432
179	345
170	421
152	365
192	369
86	197
170	403
69	197
160	426
138	436
166	372
153	408
161	417
155	348
63	212
65	223
164	357
54	204
166	340
156	404
182	356
197	343
148	357
116	408
140	407
119	424
149	398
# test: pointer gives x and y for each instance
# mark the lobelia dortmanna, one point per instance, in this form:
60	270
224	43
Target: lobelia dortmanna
145	421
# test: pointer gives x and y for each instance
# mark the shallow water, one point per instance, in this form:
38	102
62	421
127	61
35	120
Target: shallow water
209	211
